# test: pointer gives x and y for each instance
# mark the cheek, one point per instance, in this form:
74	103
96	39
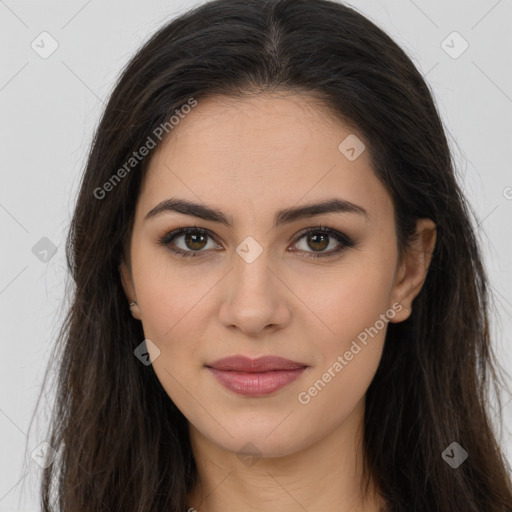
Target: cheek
355	311
171	295
173	317
347	300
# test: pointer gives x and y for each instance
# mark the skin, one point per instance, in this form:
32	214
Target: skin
249	158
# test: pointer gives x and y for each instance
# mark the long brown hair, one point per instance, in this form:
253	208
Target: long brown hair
122	444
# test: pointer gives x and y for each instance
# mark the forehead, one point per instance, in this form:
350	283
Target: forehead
262	152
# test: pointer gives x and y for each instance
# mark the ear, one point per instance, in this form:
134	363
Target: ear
129	289
414	267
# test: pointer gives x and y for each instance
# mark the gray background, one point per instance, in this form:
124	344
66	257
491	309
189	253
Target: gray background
51	105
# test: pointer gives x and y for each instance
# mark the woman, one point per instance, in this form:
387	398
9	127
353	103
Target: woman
280	302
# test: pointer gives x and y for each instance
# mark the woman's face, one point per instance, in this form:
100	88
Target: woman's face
251	285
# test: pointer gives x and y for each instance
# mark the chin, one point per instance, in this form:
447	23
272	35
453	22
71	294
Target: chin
262	437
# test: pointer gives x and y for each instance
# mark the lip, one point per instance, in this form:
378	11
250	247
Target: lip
258	365
256	377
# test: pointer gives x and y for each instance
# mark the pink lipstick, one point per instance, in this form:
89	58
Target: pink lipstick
255	377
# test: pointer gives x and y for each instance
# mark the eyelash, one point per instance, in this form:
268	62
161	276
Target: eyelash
344	240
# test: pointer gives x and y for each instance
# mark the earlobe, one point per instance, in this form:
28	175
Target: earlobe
414	267
129	289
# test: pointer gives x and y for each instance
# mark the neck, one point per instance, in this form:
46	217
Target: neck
325	476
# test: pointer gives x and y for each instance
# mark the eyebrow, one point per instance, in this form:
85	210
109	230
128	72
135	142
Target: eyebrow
285	216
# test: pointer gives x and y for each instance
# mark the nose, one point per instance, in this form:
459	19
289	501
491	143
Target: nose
255	300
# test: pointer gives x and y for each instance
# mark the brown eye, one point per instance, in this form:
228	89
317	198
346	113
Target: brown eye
319	239
318	242
187	242
195	242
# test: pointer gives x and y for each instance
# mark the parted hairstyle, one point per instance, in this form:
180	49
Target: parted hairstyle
122	443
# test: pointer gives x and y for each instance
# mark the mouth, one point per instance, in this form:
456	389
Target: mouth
256	377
